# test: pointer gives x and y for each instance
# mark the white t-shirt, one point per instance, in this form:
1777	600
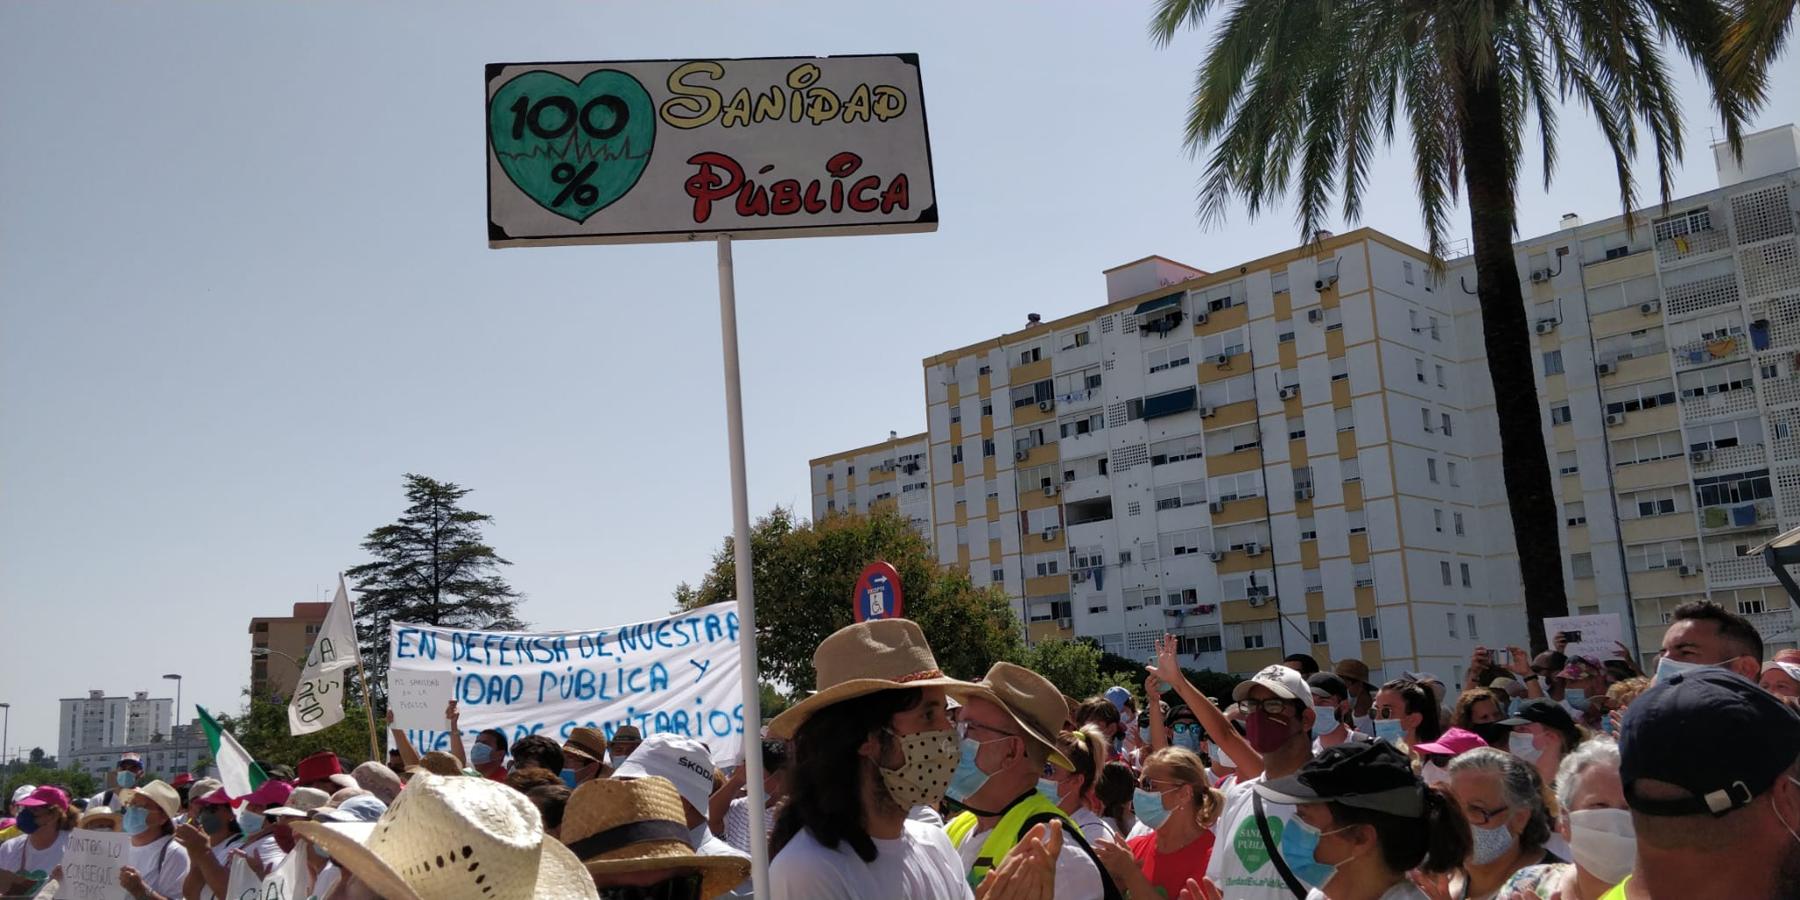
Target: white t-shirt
18	855
1077	878
162	863
1405	890
921	862
1094	826
1240	863
925	814
266	852
737	823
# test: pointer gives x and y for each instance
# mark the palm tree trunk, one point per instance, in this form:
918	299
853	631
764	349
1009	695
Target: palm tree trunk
1489	178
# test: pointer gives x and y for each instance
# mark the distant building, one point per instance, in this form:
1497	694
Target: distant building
895	472
278	648
171	754
98	721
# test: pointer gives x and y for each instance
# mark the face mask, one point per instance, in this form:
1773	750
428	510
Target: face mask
921	779
1325	721
136	819
1188	740
27	821
1221	759
1604	842
1577	698
125	779
211	820
250	822
1490	844
1435	775
1390	730
1049	789
1299	841
481	755
968	779
1524	746
1149	808
1493	733
1513	707
568	778
1667	668
1266	733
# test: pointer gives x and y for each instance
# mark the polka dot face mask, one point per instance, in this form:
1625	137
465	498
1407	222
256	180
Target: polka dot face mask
920	781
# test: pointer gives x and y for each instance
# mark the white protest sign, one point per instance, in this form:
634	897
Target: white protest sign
243	883
318	701
288	881
1593	635
678	675
418	698
663	150
90	864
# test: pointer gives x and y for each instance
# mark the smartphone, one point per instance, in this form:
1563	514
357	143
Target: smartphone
1573	637
1500	657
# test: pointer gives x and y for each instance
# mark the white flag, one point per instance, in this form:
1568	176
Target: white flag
318	701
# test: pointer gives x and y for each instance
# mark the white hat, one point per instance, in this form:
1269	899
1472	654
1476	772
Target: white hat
300	803
684	761
455	838
23	791
1285	682
1789	669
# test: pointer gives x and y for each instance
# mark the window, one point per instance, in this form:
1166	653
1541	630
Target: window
1317	632
1366	624
1553	363
1346	418
1308	530
1194	643
1073	339
1664	501
1286	337
1314	580
987	408
852	470
1176	496
1225	343
1303	479
1350	469
955	414
1173	356
1223	296
1466	582
986	370
1662	555
1575	513
1183	543
1619	296
1175	450
1334	319
1235	439
1559	414
1454	481
1716	380
1440	376
1444	424
1296	428
1278	283
1451	619
1233	487
956	452
1412	321
1046	564
1419	370
1683	223
1473	634
1644	395
1363	575
1358	519
1724	490
1437	520
1079	426
1029	356
1407	273
1253	635
1567	463
1720	435
1034	393
987	447
1036	477
1231	390
1444	569
1431	469
1425	418
1649	448
1434	329
1340	368
1641	344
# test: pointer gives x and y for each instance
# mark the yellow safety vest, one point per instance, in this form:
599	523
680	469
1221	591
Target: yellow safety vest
1617	892
1006	833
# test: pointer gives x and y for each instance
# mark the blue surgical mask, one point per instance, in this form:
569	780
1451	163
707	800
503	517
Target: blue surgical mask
1390	730
1221	759
1298	843
1149	807
568	778
1049	789
1187	740
250	822
125	779
968	779
27	821
136	819
480	754
1513	707
1324	721
1577	698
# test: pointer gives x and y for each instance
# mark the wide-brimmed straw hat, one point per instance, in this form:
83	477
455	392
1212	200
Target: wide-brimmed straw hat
456	839
437	762
639	825
859	659
1031	701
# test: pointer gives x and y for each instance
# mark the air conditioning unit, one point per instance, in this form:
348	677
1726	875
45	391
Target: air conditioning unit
1077	577
1204	411
1650	307
1216	556
1544	326
1020	455
1321	284
1315	315
1046	405
1257	601
1303	493
1688	570
1050	533
1223	360
1050	490
1700	456
1606	368
1217	506
1253	549
1613	419
1539	276
1065	623
1200	317
1289	392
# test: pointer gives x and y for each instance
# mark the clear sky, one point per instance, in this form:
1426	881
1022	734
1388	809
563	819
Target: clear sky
245	287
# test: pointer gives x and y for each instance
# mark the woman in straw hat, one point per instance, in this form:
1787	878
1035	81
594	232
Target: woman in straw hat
859	768
633	837
451	839
155	866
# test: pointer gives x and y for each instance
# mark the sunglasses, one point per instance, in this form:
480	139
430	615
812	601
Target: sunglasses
1186	728
1271	706
680	887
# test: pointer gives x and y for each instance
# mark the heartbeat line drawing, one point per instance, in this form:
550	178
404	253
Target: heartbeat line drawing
577	150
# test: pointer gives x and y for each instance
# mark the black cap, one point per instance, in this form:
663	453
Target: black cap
1549	660
1330	684
1372	775
1180	712
1549	713
1710	732
1307	664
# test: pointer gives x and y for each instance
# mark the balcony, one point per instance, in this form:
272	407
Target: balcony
1738	571
1723	403
1737	516
1729	459
1075	400
1693	246
1695	354
1778	624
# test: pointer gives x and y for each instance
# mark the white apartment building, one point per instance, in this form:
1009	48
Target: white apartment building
98	721
896	471
178	751
1669	366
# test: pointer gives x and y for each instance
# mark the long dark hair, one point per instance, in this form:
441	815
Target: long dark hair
825	783
1115	788
1419	699
1438	840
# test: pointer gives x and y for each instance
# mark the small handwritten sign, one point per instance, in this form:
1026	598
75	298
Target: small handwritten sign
418	698
90	864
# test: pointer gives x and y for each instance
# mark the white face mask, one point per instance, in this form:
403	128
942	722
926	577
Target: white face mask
1604	842
1435	775
1324	720
1524	746
1220	759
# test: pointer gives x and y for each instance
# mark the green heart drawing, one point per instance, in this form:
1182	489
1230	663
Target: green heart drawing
573	148
1248	842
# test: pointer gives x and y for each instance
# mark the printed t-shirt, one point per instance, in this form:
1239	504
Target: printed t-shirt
18	856
1240	863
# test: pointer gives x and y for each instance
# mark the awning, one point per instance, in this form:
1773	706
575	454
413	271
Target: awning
1171	403
1159	303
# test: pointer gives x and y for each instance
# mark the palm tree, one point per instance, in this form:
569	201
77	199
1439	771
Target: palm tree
1301	93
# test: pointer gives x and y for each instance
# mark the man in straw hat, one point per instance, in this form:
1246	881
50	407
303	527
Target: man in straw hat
871	744
584	757
452	838
1007	741
633	836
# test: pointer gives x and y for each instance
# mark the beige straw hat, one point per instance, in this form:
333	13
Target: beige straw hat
863	658
437	762
1031	701
457	839
639	825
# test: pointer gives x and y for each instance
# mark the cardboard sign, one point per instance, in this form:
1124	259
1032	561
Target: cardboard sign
243	883
419	698
1593	636
664	150
91	862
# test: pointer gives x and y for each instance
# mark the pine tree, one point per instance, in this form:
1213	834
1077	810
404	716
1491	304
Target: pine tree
430	567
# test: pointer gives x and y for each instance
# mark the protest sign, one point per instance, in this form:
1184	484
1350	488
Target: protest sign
418	699
288	880
90	864
318	701
1595	635
678	675
242	883
664	150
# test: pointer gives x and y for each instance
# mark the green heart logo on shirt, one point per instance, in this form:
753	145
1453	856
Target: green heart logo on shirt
573	148
1248	842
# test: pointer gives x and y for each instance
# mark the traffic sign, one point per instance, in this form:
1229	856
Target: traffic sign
877	593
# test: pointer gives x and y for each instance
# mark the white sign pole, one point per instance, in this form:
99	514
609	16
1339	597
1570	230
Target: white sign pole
746	595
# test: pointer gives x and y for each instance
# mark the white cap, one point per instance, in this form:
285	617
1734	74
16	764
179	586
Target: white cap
24	790
1285	682
684	761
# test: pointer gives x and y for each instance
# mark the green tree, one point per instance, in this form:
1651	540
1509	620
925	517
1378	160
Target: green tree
805	572
432	567
1302	92
1073	666
1756	35
37	756
73	780
262	729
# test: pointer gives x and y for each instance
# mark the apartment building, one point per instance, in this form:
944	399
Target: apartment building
1669	366
278	648
1269	458
98	721
895	472
180	750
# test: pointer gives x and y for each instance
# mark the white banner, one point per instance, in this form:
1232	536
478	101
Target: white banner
1597	635
678	674
318	701
90	864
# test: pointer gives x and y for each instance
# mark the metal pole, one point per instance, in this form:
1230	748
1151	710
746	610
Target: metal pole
746	597
6	731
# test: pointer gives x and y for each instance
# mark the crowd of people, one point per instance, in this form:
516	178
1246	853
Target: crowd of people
1548	777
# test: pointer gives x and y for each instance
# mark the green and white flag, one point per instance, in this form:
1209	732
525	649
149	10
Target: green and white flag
237	770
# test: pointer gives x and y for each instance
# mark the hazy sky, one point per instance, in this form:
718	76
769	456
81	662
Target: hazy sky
245	287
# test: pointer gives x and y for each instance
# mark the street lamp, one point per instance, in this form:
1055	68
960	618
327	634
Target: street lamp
177	680
4	728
